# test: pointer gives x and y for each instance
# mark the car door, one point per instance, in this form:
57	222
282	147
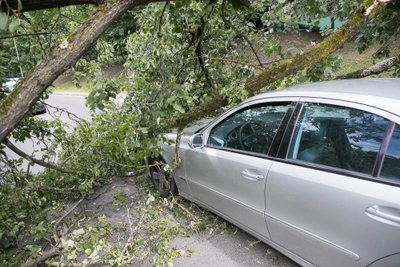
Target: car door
228	174
326	201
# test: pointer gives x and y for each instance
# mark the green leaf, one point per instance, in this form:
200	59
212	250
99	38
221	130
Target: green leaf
19	6
179	108
3	21
14	24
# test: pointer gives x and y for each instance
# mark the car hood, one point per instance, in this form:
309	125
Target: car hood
194	127
188	131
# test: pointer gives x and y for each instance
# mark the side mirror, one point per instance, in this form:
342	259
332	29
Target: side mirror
196	140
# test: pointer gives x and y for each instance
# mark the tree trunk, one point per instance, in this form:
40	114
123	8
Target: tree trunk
61	58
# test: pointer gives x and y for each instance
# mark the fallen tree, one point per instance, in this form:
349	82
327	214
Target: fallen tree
66	54
60	59
278	71
97	154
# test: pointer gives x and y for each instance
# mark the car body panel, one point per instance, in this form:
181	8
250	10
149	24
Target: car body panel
389	261
316	215
224	185
329	214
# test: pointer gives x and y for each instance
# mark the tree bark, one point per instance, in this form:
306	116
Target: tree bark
379	67
9	6
54	252
61	58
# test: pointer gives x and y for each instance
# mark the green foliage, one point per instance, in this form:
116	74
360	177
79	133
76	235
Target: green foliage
324	70
111	145
119	197
23	197
384	28
291	13
182	54
35	33
176	55
147	225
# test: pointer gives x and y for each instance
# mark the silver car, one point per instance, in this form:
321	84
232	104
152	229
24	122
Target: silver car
313	171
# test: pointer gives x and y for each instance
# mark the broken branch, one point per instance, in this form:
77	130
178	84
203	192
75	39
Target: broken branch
375	69
40	162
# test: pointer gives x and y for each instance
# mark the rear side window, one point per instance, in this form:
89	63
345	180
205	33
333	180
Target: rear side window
338	137
391	164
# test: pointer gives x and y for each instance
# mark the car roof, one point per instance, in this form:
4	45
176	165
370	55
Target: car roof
383	93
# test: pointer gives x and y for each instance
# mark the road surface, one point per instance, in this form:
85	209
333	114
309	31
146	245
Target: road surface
74	103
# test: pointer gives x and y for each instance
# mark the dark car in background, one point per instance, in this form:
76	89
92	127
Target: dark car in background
8	86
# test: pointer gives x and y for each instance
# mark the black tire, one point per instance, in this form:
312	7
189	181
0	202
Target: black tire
162	180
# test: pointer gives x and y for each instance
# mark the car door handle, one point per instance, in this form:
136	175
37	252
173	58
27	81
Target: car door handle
252	175
384	214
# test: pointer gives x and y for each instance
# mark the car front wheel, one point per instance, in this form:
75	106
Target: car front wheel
162	180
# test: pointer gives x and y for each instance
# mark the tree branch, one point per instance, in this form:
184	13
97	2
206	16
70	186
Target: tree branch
55	235
282	69
69	18
379	67
199	34
160	19
54	252
230	24
329	45
70	115
40	162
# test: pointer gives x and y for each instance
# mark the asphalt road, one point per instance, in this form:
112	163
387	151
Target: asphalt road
233	250
74	103
209	248
59	103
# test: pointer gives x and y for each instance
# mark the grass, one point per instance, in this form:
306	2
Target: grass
69	87
352	60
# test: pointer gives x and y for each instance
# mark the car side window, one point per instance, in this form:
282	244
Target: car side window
391	163
338	136
252	129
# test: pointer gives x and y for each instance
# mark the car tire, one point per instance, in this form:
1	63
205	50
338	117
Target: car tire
161	179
